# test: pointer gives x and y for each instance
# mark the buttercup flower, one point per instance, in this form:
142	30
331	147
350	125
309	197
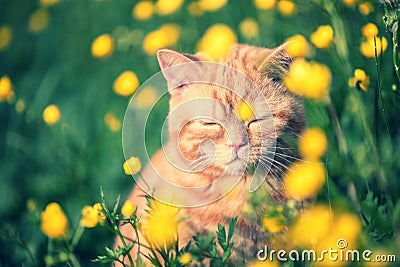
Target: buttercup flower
92	215
304	179
166	7
360	80
128	209
311	80
126	83
6	88
165	36
312	144
132	166
311	227
185	258
143	10
20	105
245	111
265	4
212	5
48	3
5	36
160	225
194	9
369	30
366	8
367	47
217	40
266	263
38	20
146	97
51	114
54	223
350	3
322	37
297	46
102	46
248	28
272	224
112	122
286	7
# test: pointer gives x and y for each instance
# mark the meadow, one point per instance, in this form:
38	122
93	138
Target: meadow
68	69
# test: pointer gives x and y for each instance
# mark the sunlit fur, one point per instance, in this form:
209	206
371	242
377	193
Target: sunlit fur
265	68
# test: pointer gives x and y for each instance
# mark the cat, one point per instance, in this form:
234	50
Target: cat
265	68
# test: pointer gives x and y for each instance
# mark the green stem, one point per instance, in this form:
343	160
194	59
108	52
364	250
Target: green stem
76	237
395	37
74	262
338	129
121	237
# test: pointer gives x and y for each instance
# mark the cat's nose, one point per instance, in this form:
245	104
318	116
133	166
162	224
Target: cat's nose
236	146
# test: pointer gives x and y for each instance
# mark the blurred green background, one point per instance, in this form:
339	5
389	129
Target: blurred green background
68	162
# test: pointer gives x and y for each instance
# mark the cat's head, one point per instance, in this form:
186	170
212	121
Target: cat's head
204	116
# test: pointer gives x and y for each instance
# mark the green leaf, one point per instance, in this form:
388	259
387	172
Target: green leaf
232	227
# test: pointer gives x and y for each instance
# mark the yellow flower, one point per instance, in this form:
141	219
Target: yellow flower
145	98
272	224
165	36
311	227
217	40
5	36
112	122
212	5
266	263
166	7
367	47
20	105
6	88
311	80
54	223
128	209
297	46
248	28
185	258
194	9
51	114
38	20
265	4
245	111
369	30
322	37
132	166
102	46
286	7
312	144
360	80
92	215
126	83
48	3
366	8
350	2
31	205
160	225
143	10
304	179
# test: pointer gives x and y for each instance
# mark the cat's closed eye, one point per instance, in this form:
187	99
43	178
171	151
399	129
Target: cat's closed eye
208	122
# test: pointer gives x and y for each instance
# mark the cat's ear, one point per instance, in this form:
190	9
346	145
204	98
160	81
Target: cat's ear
176	77
275	63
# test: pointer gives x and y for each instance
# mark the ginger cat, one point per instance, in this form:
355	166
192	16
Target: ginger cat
231	142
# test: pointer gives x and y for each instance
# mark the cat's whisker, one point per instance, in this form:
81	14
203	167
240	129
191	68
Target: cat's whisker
263	157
